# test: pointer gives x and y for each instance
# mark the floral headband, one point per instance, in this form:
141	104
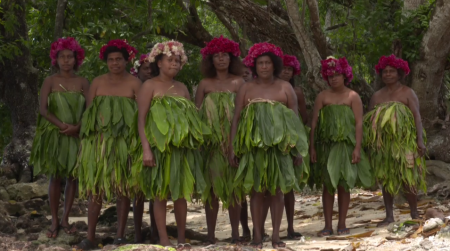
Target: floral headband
392	61
137	64
332	66
68	43
292	61
168	48
119	43
258	49
221	44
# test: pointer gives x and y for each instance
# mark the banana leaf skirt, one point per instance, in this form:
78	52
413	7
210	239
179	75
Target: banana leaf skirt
392	146
54	153
175	133
269	135
104	163
335	141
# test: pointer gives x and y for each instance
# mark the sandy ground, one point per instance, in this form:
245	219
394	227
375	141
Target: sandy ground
365	209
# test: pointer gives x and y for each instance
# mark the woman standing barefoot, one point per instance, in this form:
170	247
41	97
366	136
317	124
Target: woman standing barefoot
167	160
267	135
335	148
56	143
215	96
104	163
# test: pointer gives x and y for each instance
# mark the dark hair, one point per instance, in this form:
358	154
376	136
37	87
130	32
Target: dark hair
209	71
111	49
277	64
400	73
292	81
154	66
75	66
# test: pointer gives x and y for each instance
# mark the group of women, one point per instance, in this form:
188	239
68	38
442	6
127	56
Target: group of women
136	136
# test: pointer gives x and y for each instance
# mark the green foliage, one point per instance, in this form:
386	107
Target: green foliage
94	23
372	28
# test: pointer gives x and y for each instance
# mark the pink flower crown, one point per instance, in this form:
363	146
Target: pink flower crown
137	64
331	66
68	43
119	43
168	48
292	61
393	61
221	44
258	49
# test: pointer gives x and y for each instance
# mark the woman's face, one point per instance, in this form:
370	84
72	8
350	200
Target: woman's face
336	80
145	72
221	60
264	67
66	60
389	75
247	75
170	65
287	73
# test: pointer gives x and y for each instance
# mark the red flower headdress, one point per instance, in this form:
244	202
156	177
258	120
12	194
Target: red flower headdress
258	49
137	64
393	61
66	44
168	48
331	66
292	61
119	43
221	44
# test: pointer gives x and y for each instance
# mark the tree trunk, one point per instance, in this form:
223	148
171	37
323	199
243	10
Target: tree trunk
308	48
316	28
59	20
261	25
18	91
428	71
427	79
410	5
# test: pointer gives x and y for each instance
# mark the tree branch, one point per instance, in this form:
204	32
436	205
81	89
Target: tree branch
59	19
346	3
193	31
303	12
319	38
337	26
232	30
149	12
309	50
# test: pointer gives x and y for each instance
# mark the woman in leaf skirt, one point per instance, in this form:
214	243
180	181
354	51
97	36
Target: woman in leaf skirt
336	135
395	137
166	160
268	138
104	163
215	95
55	145
291	68
142	70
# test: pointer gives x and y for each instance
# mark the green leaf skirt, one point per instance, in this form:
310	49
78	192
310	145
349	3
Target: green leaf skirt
54	153
104	163
335	141
269	135
392	146
175	133
217	112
